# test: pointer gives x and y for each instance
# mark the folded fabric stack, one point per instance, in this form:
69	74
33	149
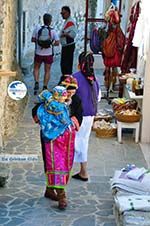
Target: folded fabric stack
131	190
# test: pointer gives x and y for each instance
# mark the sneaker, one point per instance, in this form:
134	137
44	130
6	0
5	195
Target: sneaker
44	87
36	88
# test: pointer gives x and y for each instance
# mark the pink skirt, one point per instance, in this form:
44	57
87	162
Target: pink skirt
59	155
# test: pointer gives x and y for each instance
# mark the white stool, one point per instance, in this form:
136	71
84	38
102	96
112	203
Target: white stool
131	125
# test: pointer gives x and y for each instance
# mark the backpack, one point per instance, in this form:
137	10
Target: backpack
44	37
95	41
109	45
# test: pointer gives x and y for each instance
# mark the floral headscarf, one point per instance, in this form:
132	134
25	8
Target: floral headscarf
86	61
70	82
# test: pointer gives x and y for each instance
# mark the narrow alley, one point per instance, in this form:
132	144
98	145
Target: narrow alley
120	56
90	203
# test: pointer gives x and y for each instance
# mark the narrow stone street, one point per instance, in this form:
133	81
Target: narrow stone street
22	200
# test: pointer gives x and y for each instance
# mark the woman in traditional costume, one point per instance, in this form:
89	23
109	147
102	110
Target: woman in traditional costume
58	128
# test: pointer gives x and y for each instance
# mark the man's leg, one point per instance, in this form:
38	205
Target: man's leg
48	60
36	76
36	71
63	60
67	59
47	68
70	58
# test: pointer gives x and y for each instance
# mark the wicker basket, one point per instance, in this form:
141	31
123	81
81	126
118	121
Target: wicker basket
130	104
128	118
106	133
93	128
107	118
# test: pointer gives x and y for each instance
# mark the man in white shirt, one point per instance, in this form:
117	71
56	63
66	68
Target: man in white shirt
43	54
67	40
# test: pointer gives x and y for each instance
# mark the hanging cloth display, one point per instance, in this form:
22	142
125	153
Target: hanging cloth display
141	39
95	40
129	59
113	45
98	34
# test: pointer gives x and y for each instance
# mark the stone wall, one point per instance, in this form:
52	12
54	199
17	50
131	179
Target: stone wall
8	32
10	111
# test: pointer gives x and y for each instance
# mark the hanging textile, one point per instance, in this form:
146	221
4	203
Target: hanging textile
95	41
113	46
98	34
142	39
129	59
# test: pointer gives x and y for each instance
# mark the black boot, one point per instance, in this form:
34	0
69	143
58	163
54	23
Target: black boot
51	194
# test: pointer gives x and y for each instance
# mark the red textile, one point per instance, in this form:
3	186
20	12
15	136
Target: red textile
114	61
129	59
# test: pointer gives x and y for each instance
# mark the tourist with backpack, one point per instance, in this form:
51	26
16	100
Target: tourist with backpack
67	40
45	38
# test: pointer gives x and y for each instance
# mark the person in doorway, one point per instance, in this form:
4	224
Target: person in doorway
44	38
67	40
88	91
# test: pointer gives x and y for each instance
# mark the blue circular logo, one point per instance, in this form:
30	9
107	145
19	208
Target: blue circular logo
17	90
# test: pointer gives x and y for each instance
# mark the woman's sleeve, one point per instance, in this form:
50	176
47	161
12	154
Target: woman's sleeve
76	109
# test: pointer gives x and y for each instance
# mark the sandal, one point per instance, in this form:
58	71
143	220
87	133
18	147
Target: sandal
78	177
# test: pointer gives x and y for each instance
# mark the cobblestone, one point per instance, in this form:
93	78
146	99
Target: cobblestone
90	203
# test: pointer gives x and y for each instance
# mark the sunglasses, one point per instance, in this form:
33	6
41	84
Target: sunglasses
63	13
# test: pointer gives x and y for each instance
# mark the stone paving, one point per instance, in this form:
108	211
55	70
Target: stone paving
90	203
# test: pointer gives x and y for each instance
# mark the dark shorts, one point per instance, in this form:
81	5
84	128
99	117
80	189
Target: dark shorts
43	59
